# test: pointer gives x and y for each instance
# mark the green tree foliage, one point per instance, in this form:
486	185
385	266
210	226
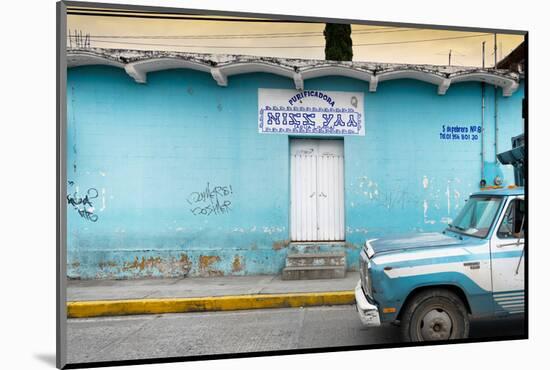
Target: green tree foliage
338	44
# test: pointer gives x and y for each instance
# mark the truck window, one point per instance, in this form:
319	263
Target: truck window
477	216
513	222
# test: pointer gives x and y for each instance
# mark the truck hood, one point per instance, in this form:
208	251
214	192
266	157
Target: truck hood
413	241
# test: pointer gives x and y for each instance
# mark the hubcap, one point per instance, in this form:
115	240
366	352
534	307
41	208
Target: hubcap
436	325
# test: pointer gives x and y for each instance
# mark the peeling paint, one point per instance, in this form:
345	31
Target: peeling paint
143	263
280	244
205	266
273	229
448	194
237	265
106	264
457	199
155	266
349	245
185	263
425	182
425	207
103	203
446	220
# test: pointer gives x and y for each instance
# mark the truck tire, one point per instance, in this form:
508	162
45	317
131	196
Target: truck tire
435	314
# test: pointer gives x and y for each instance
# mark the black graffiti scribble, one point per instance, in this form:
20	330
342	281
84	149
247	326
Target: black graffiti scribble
210	201
84	206
216	209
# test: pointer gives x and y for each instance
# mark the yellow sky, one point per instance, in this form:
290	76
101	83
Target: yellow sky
292	40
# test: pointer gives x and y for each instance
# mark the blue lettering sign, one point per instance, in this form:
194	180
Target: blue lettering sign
339	121
311	93
314	121
273	118
351	121
293	118
327	118
308	119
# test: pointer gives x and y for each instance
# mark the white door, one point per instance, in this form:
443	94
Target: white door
317	190
507	259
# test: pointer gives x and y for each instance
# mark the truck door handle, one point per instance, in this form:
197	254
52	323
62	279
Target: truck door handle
510	244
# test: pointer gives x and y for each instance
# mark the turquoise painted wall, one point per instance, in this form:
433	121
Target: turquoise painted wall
147	155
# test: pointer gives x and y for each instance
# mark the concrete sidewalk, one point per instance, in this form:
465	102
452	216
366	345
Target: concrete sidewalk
93	290
91	298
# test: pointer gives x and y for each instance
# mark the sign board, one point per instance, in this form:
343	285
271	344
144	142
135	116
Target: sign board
311	112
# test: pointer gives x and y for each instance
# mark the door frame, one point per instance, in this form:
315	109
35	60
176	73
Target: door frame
289	188
506	245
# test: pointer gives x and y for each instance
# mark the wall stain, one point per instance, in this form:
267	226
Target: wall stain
205	266
151	262
105	264
237	264
141	266
349	245
185	263
280	244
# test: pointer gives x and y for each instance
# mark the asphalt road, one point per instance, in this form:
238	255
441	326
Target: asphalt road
188	334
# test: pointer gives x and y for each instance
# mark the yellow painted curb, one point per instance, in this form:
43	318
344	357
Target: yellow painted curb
199	304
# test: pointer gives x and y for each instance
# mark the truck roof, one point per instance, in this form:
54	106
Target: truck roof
507	191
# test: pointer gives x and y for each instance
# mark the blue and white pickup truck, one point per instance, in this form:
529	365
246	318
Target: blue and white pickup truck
432	283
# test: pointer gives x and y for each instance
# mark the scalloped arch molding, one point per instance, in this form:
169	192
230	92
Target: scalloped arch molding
138	70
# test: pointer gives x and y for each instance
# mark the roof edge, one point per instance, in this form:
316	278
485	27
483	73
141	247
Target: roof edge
138	63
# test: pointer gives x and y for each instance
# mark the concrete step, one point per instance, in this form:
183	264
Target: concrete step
314	272
315	259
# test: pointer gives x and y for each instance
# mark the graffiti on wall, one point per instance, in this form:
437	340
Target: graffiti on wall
83	205
211	200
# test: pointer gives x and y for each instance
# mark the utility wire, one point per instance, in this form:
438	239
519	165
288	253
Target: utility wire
179	17
290	46
188	15
237	36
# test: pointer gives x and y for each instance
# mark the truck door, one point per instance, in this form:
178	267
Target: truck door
507	259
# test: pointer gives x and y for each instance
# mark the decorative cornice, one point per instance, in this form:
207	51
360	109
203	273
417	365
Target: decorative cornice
139	63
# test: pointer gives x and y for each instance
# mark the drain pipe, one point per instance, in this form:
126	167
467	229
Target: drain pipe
483	133
496	106
496	125
482	182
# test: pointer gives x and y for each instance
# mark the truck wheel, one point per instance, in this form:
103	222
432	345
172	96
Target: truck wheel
435	314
